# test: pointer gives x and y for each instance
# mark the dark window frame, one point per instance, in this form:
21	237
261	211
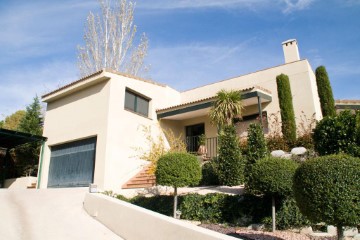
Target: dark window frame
135	104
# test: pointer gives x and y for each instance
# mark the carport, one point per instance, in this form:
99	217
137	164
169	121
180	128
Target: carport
11	139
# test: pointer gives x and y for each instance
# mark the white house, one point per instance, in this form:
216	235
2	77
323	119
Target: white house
93	125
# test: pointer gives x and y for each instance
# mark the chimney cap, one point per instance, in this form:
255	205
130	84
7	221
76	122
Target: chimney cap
289	41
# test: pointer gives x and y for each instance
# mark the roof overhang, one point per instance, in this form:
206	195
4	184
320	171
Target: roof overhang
11	139
202	106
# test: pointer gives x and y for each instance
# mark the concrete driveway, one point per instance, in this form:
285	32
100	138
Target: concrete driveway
45	214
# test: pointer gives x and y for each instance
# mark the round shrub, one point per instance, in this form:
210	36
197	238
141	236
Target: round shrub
178	170
327	189
337	135
272	176
209	174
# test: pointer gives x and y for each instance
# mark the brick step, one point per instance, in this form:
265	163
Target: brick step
141	180
136	180
129	186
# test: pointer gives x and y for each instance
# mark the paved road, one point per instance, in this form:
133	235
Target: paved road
48	214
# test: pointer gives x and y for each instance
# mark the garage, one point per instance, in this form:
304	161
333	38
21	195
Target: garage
72	164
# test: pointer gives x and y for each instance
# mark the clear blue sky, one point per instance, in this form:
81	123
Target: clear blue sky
192	42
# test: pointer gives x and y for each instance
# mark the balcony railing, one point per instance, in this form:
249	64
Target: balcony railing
211	145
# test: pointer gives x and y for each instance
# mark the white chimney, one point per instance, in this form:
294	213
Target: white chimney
291	51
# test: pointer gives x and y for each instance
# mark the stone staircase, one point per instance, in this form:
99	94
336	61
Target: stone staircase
141	180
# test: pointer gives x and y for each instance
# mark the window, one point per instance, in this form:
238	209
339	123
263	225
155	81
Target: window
136	103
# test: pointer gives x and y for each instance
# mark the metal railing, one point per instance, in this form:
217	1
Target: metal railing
211	146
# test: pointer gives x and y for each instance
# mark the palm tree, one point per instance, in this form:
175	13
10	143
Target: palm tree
226	107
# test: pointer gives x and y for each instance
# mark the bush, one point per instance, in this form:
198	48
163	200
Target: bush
272	176
338	134
178	170
209	174
203	207
286	108
325	92
230	162
256	143
289	215
159	204
327	189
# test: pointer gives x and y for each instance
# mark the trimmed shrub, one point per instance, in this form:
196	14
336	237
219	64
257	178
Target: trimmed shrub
289	215
178	169
327	189
337	134
325	92
286	108
230	162
257	148
209	174
272	176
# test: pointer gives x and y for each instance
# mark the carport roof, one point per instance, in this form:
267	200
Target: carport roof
11	139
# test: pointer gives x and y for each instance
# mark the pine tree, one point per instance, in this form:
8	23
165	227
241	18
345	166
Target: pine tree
288	126
31	122
325	92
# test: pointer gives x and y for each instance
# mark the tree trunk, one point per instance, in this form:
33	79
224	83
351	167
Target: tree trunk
175	201
273	213
340	232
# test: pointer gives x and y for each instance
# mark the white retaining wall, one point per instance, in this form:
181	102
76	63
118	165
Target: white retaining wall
135	223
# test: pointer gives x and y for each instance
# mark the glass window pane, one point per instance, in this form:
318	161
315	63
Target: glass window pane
142	106
129	101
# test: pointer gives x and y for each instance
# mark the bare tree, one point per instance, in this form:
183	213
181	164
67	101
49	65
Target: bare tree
109	38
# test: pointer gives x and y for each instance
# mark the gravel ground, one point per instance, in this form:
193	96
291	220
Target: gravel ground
247	234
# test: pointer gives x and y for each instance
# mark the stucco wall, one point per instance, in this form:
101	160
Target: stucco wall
126	139
133	222
303	88
78	116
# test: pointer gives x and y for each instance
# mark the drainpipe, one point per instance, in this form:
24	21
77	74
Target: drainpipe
40	164
260	110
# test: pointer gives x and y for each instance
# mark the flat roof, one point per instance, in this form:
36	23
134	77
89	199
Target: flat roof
10	139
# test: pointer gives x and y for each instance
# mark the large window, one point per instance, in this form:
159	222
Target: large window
136	103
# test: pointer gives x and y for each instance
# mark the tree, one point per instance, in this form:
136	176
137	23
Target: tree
230	163
109	40
12	122
273	177
325	92
32	120
178	169
256	147
286	108
327	189
226	107
27	155
338	134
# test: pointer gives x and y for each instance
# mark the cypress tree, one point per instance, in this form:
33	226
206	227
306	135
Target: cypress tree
325	92
288	126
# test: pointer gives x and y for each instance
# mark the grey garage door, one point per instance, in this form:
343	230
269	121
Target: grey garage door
72	164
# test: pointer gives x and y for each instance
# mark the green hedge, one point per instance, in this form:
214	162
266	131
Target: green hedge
209	174
327	189
339	134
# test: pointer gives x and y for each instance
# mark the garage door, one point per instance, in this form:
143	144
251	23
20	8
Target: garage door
72	164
